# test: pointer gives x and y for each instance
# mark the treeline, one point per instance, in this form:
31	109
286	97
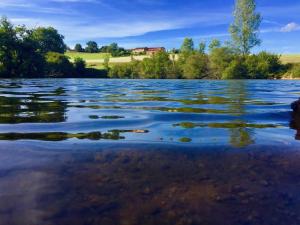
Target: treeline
230	61
92	47
216	62
39	52
35	53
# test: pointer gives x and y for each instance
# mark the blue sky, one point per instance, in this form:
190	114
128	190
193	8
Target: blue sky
137	23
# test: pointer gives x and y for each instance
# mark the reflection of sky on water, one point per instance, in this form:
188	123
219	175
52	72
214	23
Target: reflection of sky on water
75	109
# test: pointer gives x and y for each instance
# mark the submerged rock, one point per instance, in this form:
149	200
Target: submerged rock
296	106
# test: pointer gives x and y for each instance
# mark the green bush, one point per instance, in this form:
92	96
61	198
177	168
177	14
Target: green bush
293	71
264	66
235	70
79	66
195	66
58	65
125	70
219	59
159	66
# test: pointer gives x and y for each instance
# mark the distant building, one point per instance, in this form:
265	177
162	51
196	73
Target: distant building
146	50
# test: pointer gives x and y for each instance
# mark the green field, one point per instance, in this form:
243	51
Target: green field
96	59
87	56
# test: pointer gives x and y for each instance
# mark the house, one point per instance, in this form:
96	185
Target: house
139	51
151	51
146	50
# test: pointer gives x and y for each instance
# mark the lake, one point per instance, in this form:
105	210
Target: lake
89	151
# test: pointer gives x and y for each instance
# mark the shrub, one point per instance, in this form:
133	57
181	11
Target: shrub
293	71
235	70
196	66
220	59
79	66
58	65
125	70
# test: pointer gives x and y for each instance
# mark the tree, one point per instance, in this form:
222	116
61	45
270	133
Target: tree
8	44
244	30
159	66
49	40
19	55
202	47
92	47
196	66
264	66
219	59
78	48
215	43
58	65
113	49
187	46
235	70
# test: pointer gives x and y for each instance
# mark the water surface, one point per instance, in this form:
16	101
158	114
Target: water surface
235	113
134	152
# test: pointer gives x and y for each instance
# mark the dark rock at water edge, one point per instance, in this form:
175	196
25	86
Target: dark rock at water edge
296	106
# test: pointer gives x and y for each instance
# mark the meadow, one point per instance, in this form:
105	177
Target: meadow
290	58
96	60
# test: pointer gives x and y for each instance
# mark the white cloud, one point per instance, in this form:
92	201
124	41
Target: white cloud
290	27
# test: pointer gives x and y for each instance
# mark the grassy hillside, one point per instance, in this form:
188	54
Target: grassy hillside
98	58
292	58
87	56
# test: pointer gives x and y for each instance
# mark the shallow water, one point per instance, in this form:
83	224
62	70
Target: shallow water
79	151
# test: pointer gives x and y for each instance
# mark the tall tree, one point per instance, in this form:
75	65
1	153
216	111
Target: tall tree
244	30
92	47
49	40
187	45
202	47
8	47
78	48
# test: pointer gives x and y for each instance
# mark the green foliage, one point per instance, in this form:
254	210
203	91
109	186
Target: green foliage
58	65
49	40
264	66
187	46
125	70
19	55
196	66
78	48
114	50
91	47
38	52
220	58
8	48
215	43
79	66
293	71
235	70
244	30
106	62
158	66
202	47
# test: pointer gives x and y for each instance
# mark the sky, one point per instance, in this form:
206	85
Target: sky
155	23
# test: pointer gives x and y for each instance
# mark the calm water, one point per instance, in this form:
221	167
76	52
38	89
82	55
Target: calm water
132	152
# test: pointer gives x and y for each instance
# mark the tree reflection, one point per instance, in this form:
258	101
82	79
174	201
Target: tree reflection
26	107
239	136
